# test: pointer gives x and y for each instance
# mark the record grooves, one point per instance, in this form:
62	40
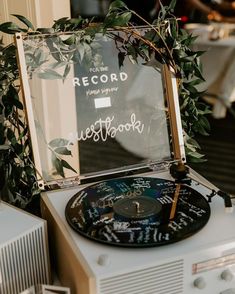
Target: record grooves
137	212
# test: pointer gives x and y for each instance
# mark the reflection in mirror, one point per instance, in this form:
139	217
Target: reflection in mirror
96	108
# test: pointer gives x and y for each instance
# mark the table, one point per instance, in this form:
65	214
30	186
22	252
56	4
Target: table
218	70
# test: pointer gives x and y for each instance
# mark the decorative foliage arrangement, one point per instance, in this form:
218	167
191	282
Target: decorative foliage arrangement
166	43
17	174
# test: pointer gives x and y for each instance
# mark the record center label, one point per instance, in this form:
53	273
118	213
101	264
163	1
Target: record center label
137	212
137	207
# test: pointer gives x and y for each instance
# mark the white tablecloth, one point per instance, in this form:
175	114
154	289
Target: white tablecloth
219	71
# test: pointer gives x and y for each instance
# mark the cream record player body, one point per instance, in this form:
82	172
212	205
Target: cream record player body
90	122
202	263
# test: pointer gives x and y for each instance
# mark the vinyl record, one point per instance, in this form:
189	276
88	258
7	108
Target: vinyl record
137	212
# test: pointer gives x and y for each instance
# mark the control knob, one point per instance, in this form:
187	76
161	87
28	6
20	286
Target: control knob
226	275
199	283
103	260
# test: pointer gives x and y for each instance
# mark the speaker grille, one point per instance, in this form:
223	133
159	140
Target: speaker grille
23	262
162	279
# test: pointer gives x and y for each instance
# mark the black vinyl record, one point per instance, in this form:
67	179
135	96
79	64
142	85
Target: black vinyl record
137	212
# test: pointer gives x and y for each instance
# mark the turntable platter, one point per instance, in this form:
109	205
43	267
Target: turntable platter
137	212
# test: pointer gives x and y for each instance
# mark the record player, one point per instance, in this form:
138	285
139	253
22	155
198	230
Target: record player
125	213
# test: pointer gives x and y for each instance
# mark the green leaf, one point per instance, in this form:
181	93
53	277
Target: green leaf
113	19
117	4
195	82
75	20
121	57
133	54
81	51
46	30
204	112
58	165
49	74
172	5
205	123
66	71
11	136
4	147
23	133
36	192
60	21
24	20
18	149
70	40
96	45
189	40
151	35
11	99
199	127
193	159
87	53
57	64
40	57
199	53
68	166
29	170
189	148
10	28
52	44
193	142
58	142
17	104
196	155
124	18
162	13
198	73
63	151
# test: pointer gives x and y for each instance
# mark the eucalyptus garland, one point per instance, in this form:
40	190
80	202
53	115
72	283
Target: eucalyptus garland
166	43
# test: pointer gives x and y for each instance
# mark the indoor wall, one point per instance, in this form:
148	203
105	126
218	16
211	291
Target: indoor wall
41	13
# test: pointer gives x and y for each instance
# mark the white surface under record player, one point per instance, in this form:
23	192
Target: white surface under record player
125	214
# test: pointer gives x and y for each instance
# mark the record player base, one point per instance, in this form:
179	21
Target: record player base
204	261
